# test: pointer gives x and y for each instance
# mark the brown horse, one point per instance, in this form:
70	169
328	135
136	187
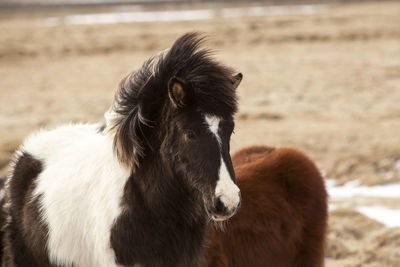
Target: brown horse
283	215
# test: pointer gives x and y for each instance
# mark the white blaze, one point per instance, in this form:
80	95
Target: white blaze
213	125
226	189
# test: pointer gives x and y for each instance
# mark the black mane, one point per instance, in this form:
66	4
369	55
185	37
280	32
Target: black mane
142	98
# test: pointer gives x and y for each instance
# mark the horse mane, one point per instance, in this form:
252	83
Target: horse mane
142	98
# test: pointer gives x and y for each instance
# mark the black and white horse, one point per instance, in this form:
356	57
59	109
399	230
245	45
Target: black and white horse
139	191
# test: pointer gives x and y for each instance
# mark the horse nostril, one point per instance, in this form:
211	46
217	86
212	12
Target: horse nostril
219	206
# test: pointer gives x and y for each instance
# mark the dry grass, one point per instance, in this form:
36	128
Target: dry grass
328	84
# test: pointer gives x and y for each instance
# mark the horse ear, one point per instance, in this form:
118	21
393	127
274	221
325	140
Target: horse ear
177	92
236	80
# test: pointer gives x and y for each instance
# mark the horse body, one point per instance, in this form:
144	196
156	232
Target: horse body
142	189
283	217
82	203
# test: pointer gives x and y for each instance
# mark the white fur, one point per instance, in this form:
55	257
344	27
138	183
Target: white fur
226	189
81	187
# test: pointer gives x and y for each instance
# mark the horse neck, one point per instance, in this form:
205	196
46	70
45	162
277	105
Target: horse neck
157	203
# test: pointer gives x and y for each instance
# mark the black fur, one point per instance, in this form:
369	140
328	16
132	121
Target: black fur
24	247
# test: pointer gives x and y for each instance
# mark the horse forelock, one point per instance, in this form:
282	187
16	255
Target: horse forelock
142	99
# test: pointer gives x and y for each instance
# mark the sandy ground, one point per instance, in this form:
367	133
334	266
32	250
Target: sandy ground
327	83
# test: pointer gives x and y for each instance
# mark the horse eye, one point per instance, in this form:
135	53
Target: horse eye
190	135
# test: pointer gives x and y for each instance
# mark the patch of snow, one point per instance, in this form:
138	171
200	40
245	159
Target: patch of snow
331	207
183	15
129	17
330	183
386	216
351	189
352	183
258	11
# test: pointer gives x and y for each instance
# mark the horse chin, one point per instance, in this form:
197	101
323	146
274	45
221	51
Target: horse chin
214	217
220	218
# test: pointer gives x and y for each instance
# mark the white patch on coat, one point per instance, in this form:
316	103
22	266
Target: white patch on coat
226	189
81	188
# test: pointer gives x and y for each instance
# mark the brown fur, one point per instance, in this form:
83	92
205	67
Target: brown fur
283	217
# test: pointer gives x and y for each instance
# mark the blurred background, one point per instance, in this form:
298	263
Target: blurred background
321	76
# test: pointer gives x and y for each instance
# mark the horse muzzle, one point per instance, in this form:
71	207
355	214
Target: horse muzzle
224	207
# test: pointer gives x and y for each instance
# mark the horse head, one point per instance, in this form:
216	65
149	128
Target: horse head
181	105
